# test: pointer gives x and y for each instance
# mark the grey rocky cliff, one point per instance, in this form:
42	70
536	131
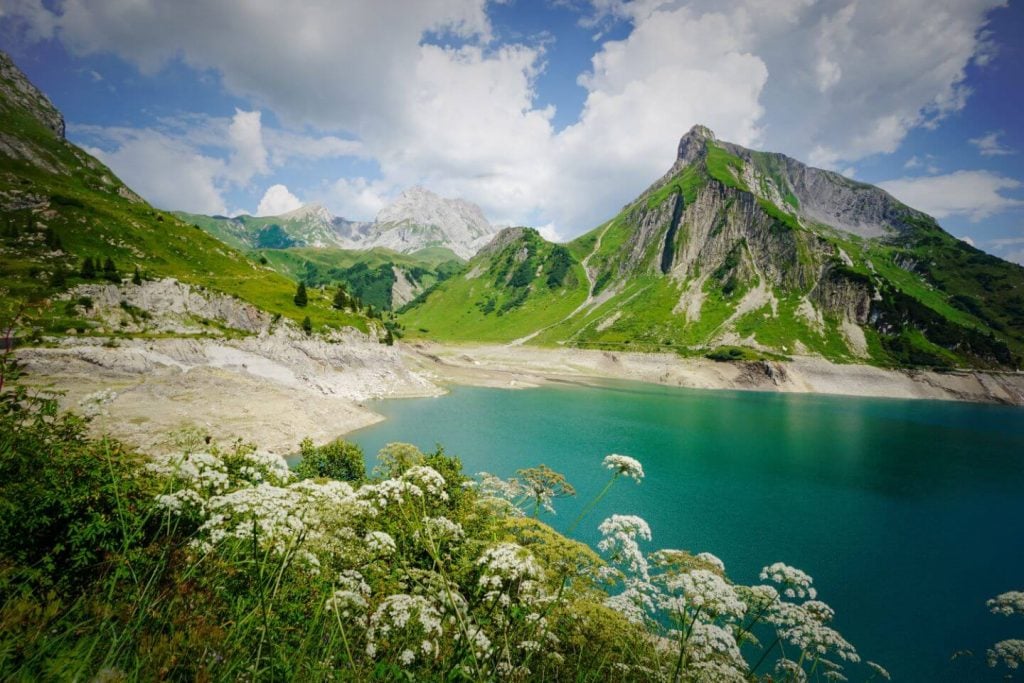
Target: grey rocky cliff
19	91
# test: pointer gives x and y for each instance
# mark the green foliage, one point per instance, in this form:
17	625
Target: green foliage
307	326
110	271
273	237
558	265
65	499
88	270
338	459
136	277
301	298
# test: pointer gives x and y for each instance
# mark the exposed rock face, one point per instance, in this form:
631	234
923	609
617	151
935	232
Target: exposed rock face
419	219
170	306
19	91
416	220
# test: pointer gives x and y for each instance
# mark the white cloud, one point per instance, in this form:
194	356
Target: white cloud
357	198
169	174
968	240
277	200
831	81
989	145
974	194
248	156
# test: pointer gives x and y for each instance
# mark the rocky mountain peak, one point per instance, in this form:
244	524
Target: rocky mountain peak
308	212
692	145
17	90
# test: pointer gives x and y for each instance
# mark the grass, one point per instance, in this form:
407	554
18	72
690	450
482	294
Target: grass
82	206
508	300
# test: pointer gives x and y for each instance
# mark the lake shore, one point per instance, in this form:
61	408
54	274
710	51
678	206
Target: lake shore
276	389
514	367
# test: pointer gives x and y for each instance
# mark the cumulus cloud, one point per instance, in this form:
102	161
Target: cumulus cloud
974	194
358	198
169	174
277	200
248	156
989	145
829	81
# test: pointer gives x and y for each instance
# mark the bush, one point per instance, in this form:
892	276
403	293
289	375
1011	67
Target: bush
337	460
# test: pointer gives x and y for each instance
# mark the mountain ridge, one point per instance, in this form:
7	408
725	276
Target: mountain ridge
740	249
417	219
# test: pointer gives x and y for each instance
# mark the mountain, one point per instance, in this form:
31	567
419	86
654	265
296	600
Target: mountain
60	206
418	219
736	253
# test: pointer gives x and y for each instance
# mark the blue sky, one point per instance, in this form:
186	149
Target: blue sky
546	113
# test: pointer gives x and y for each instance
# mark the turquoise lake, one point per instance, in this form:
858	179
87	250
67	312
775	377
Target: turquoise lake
908	514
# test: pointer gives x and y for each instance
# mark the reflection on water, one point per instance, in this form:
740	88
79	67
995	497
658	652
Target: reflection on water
909	514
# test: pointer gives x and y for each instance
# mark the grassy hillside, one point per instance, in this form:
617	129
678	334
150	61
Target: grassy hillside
719	255
60	206
509	290
369	274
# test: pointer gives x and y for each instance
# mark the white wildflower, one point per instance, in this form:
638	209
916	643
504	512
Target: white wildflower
1007	604
797	583
623	464
505	564
709	593
790	670
1009	653
634	602
380	543
879	670
401	618
351	594
710	642
802	627
708	558
441	529
620	542
429	479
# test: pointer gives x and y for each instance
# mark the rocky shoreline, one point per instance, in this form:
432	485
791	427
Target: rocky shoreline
524	366
276	388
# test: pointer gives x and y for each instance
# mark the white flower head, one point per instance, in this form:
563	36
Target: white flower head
797	584
1007	604
380	543
623	464
1009	653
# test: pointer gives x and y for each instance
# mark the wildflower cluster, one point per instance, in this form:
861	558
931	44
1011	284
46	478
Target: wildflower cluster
412	586
1008	653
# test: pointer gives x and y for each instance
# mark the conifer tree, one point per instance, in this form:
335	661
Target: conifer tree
110	271
341	299
137	277
301	299
88	271
307	325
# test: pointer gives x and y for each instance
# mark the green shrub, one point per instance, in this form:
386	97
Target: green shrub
336	460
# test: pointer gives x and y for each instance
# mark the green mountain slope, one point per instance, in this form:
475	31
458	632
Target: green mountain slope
380	277
58	206
755	252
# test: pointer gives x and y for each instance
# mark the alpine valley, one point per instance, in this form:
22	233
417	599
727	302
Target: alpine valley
185	399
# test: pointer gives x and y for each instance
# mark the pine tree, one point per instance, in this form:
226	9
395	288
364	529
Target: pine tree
341	299
88	269
110	271
137	277
53	242
307	325
300	296
389	338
